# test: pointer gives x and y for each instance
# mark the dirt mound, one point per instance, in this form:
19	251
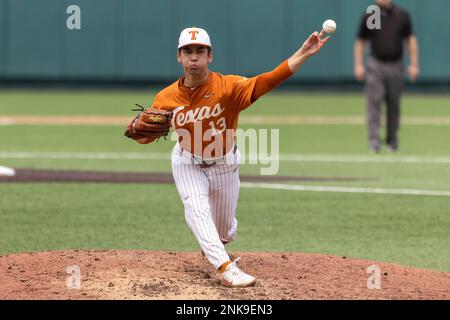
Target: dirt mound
188	275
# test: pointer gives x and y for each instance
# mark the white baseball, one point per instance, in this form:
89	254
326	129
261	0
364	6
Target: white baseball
329	26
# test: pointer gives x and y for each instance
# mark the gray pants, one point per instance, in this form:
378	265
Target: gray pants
384	82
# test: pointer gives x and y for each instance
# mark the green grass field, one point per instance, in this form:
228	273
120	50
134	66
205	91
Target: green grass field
407	229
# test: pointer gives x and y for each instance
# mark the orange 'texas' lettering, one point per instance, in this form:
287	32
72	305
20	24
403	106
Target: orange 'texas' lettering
193	33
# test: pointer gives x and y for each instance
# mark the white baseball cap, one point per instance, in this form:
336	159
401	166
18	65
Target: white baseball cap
194	35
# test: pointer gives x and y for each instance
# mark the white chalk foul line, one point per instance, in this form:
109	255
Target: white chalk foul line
312	158
364	159
285	157
274	186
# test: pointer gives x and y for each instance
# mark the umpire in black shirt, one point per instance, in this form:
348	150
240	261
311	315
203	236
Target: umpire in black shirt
384	73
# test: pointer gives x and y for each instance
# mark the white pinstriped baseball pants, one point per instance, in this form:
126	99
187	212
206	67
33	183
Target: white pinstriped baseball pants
209	196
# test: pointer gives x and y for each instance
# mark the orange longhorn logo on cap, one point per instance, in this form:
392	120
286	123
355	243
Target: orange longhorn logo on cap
193	33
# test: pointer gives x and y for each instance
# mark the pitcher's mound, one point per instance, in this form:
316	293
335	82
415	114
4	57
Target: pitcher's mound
188	275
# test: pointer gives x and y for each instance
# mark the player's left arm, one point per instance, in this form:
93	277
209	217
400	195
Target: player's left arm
413	47
413	52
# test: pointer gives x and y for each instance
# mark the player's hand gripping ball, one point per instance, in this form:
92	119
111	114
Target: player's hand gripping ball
149	124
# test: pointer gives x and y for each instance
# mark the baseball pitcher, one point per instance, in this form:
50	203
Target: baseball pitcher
203	107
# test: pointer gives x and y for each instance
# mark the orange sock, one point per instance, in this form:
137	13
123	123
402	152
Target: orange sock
224	266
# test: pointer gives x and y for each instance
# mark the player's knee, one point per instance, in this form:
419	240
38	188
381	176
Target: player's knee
196	207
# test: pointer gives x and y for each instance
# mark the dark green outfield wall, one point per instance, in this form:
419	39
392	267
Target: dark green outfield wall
136	39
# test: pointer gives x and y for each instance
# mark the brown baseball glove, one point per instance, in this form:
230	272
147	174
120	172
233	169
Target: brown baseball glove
149	124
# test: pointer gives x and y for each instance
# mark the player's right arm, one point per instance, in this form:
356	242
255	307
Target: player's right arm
358	55
310	47
269	80
246	91
363	34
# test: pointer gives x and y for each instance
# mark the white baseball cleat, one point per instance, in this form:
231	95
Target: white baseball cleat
235	277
